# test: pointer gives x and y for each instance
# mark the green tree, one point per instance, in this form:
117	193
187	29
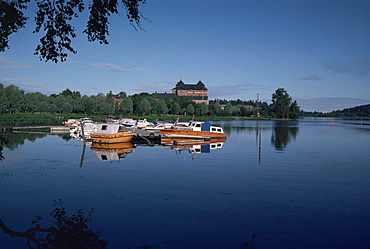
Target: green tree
216	109
228	109
59	101
88	104
190	110
66	108
15	98
281	102
235	110
127	106
122	94
3	100
43	107
108	108
53	108
32	102
294	110
162	107
55	19
175	109
144	107
203	107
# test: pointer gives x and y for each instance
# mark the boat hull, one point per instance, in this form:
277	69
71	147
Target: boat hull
185	133
120	137
188	142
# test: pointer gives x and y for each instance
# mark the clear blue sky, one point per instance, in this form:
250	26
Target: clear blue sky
319	51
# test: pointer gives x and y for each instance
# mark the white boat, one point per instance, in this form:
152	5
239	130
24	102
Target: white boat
86	120
89	128
159	125
142	123
74	122
111	120
195	130
111	133
128	122
71	122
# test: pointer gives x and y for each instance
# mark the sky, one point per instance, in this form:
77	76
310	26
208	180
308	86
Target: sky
318	51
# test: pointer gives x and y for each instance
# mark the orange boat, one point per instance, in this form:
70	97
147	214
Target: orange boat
111	133
183	142
195	130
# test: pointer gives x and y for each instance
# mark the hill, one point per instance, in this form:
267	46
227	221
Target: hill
362	111
358	111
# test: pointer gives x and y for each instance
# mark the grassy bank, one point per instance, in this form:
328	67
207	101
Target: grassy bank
62	117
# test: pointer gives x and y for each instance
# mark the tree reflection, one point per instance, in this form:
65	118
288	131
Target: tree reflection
13	140
283	134
67	232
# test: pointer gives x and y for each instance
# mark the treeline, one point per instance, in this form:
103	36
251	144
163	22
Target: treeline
358	111
15	100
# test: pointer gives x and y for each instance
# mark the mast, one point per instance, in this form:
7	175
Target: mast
258	105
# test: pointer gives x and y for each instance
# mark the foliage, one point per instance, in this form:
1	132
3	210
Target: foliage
282	105
55	19
14	100
144	107
190	109
127	106
11	19
67	232
175	108
362	111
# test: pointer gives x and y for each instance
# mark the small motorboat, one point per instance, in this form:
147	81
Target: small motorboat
111	133
195	130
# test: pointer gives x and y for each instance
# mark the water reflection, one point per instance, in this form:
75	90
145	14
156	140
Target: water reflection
118	151
192	146
111	152
67	232
12	141
282	134
150	201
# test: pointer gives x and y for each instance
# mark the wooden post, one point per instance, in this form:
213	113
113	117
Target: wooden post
84	142
83	132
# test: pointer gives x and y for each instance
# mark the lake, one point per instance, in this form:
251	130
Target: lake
271	184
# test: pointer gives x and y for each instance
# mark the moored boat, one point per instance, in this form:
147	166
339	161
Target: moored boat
111	133
195	130
128	122
71	122
74	122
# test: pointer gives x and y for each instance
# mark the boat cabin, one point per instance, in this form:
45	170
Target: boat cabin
205	126
110	128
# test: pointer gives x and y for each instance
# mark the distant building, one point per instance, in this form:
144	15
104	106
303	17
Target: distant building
197	92
117	98
159	96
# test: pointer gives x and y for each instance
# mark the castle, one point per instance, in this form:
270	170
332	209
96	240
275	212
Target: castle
197	92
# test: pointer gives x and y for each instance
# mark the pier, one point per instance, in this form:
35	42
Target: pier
39	129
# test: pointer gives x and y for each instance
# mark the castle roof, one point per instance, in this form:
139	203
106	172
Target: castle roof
182	86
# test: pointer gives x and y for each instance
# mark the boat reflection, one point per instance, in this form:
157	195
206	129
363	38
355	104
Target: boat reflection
118	151
193	146
111	152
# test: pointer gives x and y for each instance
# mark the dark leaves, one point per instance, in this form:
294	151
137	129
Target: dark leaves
11	20
54	18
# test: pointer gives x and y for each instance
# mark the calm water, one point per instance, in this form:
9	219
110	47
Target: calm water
302	184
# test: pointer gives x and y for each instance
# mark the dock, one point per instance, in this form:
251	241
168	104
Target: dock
38	129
